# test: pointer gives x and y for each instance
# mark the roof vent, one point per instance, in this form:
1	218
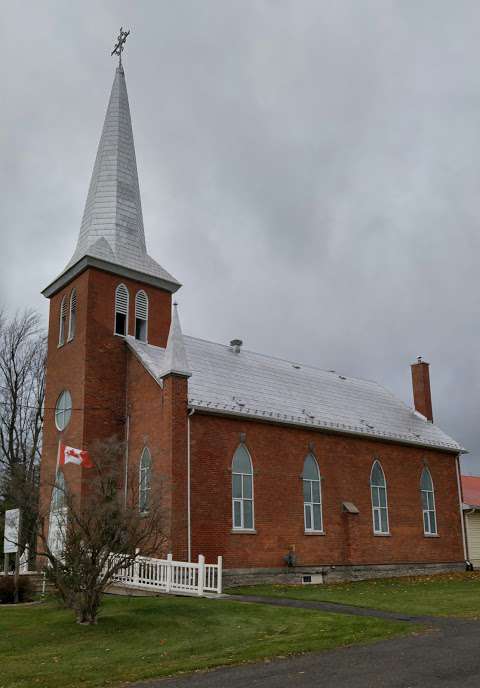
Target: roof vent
236	345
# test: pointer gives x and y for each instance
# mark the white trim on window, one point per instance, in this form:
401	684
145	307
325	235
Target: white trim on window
243	508
378	493
59	492
141	315
62	321
427	495
312	496
120	323
72	320
63	410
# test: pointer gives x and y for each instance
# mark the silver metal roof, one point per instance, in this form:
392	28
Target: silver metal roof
256	386
112	231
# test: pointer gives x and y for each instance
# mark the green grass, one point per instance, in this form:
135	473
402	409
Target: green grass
41	646
444	595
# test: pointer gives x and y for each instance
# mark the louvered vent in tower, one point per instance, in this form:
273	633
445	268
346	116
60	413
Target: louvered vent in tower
63	322
141	316
72	323
121	310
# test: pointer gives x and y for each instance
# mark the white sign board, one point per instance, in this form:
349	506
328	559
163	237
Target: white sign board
12	526
56	531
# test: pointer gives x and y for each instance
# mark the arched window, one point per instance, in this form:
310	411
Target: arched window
242	490
63	322
121	310
72	323
57	526
145	481
63	410
141	315
428	503
312	496
59	492
378	487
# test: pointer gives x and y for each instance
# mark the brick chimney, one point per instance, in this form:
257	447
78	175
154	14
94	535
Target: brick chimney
422	398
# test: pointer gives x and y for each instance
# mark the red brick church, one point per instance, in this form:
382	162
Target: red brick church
270	461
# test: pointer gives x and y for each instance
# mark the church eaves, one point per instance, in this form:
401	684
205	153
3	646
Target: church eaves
111	235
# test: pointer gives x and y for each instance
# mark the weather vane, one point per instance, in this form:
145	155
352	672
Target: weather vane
119	45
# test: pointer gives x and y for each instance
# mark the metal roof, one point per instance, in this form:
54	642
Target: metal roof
471	491
112	232
256	386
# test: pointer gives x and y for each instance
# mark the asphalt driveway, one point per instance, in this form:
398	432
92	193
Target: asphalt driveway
447	655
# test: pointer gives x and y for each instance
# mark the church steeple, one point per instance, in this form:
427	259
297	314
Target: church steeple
111	235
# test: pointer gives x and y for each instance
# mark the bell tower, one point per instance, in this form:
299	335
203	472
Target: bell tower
111	288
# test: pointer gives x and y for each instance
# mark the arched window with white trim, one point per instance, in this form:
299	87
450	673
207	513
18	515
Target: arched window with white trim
59	493
72	321
242	490
63	410
428	503
57	526
312	496
378	487
121	310
145	481
141	316
62	321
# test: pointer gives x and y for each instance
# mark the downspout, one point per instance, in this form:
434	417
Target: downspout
189	512
127	434
460	506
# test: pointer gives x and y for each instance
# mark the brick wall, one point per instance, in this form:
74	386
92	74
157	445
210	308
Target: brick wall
158	420
93	367
278	454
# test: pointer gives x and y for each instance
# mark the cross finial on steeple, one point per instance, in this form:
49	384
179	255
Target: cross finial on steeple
118	48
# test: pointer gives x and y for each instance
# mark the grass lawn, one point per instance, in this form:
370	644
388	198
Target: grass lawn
41	646
456	594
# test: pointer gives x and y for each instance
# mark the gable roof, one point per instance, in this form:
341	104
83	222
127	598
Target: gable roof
252	385
471	490
111	234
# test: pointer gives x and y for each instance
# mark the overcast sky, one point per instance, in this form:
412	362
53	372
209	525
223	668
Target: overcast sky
310	171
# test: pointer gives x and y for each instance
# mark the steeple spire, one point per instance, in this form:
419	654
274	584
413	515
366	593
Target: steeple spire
111	234
175	361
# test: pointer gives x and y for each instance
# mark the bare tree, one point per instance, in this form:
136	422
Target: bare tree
22	393
101	532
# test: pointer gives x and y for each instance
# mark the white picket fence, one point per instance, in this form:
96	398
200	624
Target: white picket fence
169	576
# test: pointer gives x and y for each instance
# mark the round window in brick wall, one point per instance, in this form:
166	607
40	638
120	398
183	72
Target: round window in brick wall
63	410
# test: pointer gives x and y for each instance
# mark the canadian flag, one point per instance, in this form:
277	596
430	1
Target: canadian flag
77	456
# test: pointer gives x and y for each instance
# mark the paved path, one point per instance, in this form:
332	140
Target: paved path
446	656
333	607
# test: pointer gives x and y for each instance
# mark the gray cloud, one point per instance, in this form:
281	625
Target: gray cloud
309	171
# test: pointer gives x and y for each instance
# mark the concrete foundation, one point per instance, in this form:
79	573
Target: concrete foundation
334	574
